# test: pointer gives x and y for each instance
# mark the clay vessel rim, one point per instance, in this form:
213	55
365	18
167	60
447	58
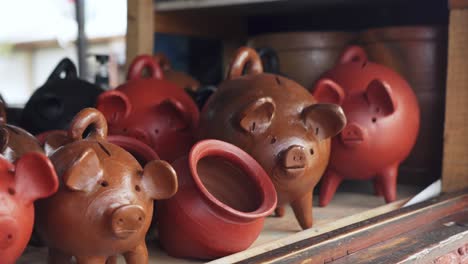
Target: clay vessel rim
133	145
217	148
402	33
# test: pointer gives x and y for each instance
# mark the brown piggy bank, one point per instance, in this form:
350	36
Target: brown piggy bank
104	204
277	122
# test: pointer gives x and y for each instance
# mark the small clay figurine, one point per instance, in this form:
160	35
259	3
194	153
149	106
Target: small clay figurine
54	104
279	123
104	204
152	110
32	177
182	79
383	123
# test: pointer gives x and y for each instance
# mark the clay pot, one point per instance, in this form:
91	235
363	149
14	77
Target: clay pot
383	123
152	110
277	122
54	104
304	56
223	198
182	79
32	177
419	54
104	194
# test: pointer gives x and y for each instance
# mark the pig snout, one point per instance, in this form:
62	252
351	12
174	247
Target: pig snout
294	160
127	220
352	135
8	232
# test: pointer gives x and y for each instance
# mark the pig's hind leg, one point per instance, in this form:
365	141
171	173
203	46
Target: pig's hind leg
137	256
388	179
280	211
330	182
302	208
58	257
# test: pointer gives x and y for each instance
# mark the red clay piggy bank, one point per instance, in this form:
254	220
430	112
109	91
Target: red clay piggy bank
151	110
32	177
279	123
383	123
104	204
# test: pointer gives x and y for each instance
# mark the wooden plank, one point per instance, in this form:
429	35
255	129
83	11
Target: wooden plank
455	159
140	32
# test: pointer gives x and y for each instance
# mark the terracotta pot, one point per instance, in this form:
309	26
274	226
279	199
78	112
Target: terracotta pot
32	177
182	79
103	191
304	56
419	54
279	123
56	102
152	110
223	198
383	122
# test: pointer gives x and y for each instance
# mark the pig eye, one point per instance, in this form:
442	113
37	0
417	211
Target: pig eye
137	188
374	119
104	183
11	191
273	140
311	151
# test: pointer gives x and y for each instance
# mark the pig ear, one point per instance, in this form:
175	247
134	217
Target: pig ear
325	120
257	116
35	177
159	180
353	54
114	105
174	106
380	94
328	91
84	173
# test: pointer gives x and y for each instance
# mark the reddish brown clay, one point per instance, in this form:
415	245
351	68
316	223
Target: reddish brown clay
15	141
151	110
32	177
383	122
223	198
182	79
104	204
279	123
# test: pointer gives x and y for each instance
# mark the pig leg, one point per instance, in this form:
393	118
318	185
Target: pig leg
91	260
137	256
388	177
302	208
378	190
330	182
280	211
111	260
58	257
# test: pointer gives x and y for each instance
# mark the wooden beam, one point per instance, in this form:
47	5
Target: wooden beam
140	32
455	160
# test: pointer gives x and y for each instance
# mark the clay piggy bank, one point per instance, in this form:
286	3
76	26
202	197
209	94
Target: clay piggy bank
54	104
383	123
279	123
30	178
183	80
104	204
151	110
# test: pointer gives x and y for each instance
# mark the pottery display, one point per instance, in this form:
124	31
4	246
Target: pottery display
279	123
15	141
304	56
383	122
32	177
223	197
54	104
419	54
152	110
182	79
104	204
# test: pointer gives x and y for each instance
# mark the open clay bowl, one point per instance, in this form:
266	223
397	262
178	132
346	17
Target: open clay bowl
219	209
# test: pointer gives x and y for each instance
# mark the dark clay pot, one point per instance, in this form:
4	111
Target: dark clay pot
182	79
223	198
304	56
419	54
32	177
279	123
383	123
54	104
103	191
152	110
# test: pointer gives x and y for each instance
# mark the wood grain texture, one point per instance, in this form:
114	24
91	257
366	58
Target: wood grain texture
140	32
455	159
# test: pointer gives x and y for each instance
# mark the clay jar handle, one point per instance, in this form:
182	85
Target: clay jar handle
142	62
353	54
88	117
65	66
163	61
246	60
